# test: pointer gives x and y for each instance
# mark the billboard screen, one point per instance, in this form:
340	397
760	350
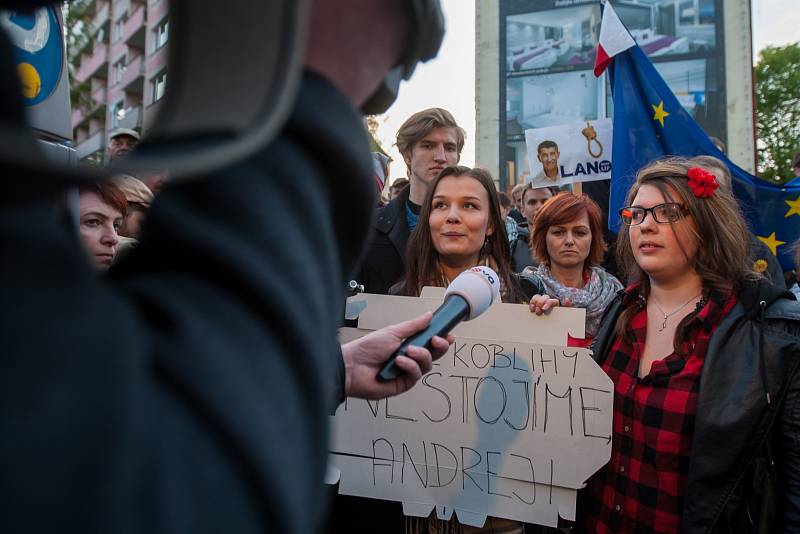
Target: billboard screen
547	54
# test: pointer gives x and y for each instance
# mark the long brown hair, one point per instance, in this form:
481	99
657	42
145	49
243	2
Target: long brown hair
422	259
722	254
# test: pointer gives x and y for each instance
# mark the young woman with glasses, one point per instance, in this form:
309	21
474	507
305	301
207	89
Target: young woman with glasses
704	355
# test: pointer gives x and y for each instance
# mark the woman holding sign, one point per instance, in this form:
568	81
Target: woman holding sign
704	355
567	241
460	226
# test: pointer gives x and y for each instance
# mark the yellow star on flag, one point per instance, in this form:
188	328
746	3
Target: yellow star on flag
660	114
794	207
772	243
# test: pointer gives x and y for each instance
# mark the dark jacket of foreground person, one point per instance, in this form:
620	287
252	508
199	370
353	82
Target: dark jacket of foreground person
189	391
744	472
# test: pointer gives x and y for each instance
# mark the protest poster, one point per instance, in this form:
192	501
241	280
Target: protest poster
570	153
509	423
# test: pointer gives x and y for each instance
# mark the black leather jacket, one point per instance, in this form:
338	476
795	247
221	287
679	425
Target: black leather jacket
744	473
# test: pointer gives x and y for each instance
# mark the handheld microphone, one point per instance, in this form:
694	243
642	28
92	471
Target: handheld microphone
468	296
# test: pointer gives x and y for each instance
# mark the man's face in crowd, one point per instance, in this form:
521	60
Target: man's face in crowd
121	145
534	199
549	158
433	153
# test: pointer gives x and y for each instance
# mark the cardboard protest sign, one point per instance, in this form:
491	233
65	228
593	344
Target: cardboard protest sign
509	423
570	153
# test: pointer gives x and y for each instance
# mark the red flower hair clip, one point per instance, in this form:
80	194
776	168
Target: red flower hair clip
702	182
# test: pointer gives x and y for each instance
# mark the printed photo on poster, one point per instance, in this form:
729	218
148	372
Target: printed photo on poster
670	27
570	153
554	38
552	99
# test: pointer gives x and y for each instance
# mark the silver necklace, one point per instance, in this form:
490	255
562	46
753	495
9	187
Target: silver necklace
670	314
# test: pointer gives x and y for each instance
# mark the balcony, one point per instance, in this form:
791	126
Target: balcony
134	72
91	145
157	10
79	115
134	29
92	63
102	13
129	118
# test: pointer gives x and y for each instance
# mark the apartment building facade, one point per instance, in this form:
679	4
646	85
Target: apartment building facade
121	70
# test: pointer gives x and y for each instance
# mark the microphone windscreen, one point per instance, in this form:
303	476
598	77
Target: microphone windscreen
479	286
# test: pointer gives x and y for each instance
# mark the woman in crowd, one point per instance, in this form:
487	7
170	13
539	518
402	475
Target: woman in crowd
460	226
704	356
568	243
532	201
102	211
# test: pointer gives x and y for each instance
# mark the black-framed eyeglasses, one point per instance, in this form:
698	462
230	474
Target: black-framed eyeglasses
667	212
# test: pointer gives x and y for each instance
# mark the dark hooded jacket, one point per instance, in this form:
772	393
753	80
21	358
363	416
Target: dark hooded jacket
189	390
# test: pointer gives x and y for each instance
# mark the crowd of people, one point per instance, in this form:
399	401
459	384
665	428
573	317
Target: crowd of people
695	320
688	326
188	388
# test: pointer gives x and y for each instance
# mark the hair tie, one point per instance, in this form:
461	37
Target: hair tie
702	182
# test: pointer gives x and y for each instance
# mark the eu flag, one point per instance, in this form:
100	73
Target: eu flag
650	123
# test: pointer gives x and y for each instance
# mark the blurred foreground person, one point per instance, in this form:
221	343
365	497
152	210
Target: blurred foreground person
568	243
189	391
704	354
102	212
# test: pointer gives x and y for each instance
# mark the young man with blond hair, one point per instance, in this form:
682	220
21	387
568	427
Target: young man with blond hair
429	141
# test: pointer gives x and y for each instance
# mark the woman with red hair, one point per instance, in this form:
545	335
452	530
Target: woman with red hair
567	241
102	210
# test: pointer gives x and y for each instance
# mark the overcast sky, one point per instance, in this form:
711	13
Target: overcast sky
449	80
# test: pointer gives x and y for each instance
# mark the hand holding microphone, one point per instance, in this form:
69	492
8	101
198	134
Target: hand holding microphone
468	296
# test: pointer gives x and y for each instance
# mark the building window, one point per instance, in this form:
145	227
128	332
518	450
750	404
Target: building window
119	69
161	34
119	25
159	84
117	113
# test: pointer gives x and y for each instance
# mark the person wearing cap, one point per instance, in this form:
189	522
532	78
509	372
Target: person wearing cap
121	142
139	198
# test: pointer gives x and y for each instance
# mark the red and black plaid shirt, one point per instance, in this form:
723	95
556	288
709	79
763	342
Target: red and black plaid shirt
641	489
